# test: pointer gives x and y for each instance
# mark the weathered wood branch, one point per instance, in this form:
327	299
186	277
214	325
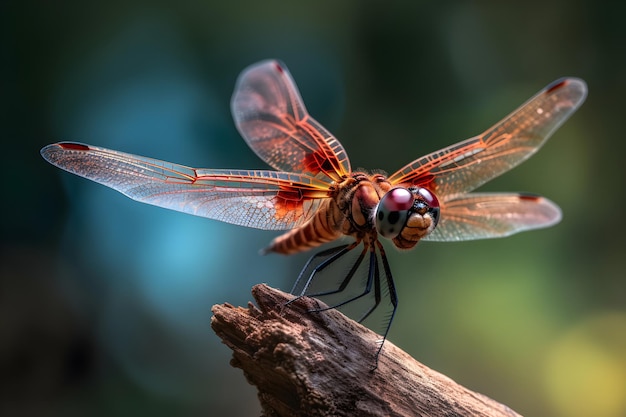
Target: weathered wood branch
320	364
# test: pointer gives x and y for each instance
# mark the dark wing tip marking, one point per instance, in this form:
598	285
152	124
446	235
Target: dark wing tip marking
561	82
278	67
529	197
51	152
577	86
71	146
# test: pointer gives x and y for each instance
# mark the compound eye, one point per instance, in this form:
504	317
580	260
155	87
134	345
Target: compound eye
392	212
427	202
428	197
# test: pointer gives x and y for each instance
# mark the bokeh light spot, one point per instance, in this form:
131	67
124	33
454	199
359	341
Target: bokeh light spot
586	368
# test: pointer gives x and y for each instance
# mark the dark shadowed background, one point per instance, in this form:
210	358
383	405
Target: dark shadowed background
105	303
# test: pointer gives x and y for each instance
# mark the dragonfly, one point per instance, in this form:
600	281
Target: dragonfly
313	193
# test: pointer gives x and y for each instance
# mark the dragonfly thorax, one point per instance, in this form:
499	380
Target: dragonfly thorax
357	198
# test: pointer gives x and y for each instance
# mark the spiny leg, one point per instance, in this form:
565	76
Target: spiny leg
377	291
336	252
393	298
346	280
332	253
372	277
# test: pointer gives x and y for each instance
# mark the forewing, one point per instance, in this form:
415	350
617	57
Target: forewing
271	117
466	165
267	200
487	215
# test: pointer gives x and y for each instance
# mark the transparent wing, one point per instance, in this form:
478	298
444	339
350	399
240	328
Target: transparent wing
267	200
271	117
463	167
486	215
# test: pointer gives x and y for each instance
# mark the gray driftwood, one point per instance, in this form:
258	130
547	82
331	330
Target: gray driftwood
320	364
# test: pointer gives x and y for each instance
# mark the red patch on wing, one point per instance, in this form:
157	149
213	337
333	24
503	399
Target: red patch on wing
424	180
73	146
317	162
288	200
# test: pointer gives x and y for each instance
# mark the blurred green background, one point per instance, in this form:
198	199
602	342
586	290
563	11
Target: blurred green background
105	303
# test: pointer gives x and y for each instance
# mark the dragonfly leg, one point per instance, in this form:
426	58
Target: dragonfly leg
371	279
393	298
377	291
333	254
346	280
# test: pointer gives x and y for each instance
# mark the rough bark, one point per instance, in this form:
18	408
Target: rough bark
320	364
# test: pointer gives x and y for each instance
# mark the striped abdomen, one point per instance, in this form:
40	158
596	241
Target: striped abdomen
322	228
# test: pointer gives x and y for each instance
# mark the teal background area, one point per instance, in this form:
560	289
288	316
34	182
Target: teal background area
105	302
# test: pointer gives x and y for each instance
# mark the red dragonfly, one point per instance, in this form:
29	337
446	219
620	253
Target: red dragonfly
314	194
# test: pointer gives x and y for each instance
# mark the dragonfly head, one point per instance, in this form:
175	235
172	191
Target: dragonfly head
406	215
